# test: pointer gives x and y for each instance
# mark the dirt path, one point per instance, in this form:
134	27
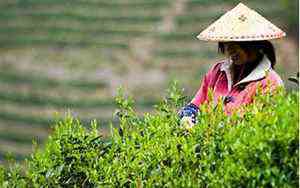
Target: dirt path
142	48
141	54
168	23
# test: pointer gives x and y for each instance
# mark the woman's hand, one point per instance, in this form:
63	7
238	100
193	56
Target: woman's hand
188	115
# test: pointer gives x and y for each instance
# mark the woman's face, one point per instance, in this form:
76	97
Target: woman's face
237	54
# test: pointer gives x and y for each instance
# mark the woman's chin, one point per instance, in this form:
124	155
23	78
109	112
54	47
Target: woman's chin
239	63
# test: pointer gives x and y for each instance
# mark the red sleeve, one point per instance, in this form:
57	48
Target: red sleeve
207	82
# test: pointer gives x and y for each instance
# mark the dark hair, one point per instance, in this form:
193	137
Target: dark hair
265	46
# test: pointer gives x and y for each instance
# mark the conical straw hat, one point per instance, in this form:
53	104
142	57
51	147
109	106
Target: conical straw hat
241	24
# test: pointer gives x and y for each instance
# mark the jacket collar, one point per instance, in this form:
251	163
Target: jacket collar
257	73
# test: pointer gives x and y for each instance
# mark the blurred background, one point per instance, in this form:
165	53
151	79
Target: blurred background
59	56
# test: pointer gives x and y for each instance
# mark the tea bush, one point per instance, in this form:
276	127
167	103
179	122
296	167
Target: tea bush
257	149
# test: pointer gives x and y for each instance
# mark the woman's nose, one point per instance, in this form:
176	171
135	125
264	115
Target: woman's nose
229	48
231	51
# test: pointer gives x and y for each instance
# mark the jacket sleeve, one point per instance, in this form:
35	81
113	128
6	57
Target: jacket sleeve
207	83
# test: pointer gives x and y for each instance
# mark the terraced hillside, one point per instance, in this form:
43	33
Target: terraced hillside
60	56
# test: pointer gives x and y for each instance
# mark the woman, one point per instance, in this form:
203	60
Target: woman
242	36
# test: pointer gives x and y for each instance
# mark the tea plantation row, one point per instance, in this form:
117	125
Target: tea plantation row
256	149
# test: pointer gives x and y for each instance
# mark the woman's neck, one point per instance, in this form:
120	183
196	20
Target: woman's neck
241	71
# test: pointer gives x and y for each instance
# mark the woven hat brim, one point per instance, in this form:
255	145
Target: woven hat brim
241	38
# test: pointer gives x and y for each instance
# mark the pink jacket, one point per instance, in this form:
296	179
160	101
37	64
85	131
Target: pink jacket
218	79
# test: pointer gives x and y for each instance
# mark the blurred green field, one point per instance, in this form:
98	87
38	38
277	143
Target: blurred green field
59	56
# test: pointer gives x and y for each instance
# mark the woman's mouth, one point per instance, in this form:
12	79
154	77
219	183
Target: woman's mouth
234	57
